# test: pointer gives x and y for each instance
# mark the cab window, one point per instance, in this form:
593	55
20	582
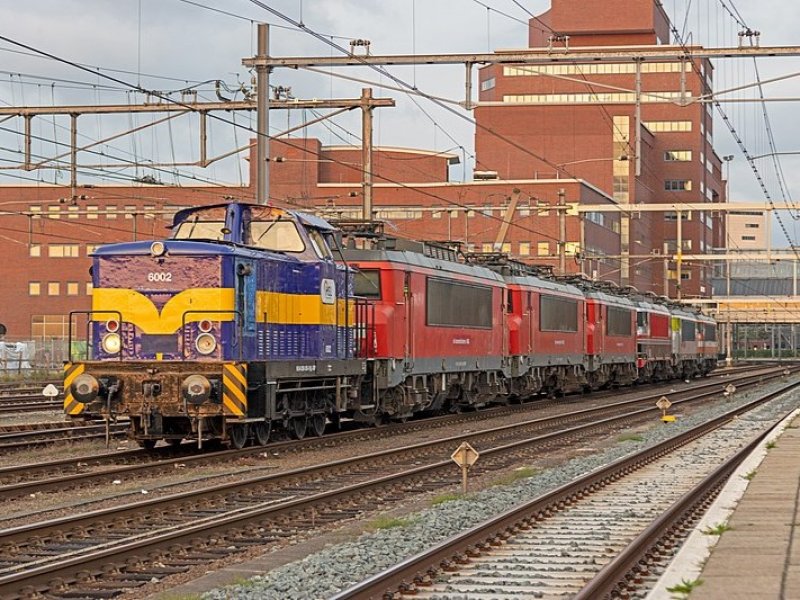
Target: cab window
319	244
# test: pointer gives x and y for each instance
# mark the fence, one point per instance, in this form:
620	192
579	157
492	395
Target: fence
23	357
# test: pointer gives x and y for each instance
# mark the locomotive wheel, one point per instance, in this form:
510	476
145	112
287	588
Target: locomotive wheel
318	425
261	432
298	426
147	444
237	436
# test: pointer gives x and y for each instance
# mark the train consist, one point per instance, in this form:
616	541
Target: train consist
251	319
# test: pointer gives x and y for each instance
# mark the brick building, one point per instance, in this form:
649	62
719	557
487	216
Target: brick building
581	118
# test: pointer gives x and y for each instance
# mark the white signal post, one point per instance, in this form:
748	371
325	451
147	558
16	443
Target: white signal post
465	456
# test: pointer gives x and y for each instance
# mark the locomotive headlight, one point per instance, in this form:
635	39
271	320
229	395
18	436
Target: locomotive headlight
111	343
205	343
196	389
157	249
85	388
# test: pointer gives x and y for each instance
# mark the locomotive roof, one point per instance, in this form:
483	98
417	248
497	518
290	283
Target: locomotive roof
418	259
545	284
306	219
611	299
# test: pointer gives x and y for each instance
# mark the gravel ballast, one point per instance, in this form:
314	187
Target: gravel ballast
336	568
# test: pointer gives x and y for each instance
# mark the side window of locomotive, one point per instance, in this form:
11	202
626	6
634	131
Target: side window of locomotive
474	304
688	331
618	322
509	301
558	314
710	333
278	236
367	284
319	244
642	323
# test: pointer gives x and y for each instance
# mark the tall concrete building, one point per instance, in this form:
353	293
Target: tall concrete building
587	121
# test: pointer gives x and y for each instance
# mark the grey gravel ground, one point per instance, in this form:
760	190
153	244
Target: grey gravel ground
336	568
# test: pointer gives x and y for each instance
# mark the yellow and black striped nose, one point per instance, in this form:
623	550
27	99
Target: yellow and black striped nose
71	405
234	388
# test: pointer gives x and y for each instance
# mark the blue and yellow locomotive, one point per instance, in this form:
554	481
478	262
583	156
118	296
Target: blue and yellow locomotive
242	320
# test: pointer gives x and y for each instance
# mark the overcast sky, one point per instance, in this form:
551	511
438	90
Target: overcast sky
170	44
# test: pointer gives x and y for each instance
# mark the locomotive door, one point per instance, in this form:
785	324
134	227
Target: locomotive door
246	305
408	297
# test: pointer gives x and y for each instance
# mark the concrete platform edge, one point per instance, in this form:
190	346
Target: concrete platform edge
688	563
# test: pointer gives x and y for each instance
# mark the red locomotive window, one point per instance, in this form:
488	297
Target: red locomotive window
367	283
558	314
618	321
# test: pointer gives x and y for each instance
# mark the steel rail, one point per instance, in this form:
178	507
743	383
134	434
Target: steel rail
614	575
93	560
53	483
421	567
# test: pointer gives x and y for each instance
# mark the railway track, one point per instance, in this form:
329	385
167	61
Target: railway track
63	474
120	547
29	435
597	537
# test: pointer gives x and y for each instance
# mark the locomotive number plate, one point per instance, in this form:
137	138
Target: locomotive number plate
159	276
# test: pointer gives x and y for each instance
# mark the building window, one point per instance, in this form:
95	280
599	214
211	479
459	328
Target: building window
72	288
130	212
35	211
673	216
453	214
437	214
748	238
63	250
111	212
54	212
486	247
35	250
751	225
487	211
506	247
50	326
668	126
470	213
544	210
487	84
34	288
524	248
72	212
91	212
593	98
572	248
89	288
543	249
91	248
525	212
149	211
678	185
53	288
678	155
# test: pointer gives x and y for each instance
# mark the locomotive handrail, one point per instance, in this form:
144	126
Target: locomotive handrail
239	321
365	328
89	323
